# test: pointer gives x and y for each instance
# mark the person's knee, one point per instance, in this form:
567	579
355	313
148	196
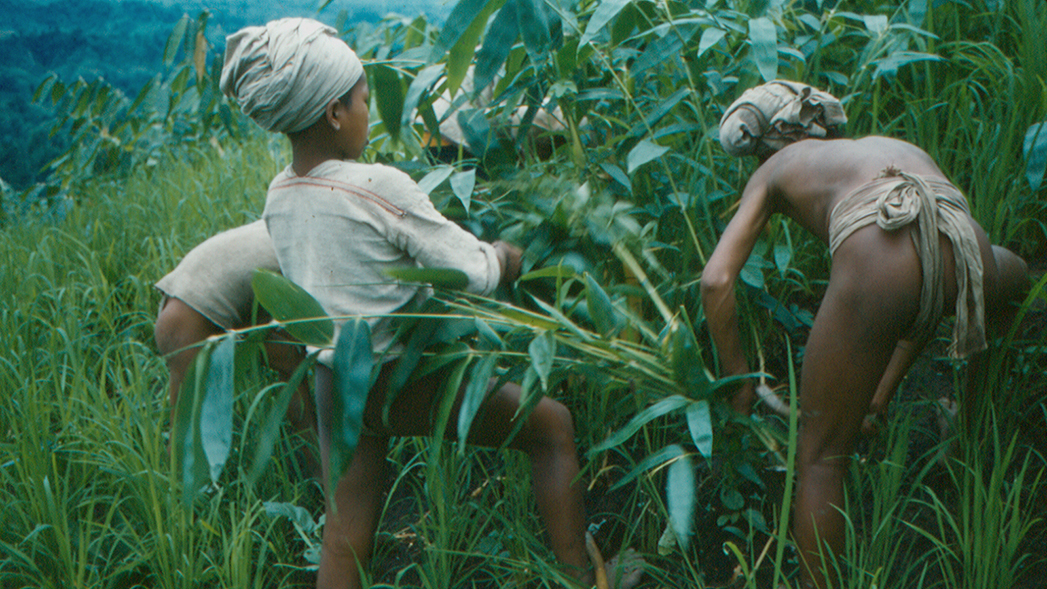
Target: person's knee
554	424
829	445
178	326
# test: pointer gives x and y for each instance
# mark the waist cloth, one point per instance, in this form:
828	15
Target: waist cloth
895	200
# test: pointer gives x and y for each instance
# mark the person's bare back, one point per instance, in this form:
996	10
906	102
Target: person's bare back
805	180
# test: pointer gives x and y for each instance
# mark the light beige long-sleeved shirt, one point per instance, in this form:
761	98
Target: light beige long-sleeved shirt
338	230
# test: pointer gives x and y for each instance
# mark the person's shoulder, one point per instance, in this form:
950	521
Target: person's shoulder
283	176
383	180
373	173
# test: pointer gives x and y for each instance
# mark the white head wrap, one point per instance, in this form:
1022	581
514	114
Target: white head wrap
776	114
285	73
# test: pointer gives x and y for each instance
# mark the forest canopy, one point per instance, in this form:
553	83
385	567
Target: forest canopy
119	41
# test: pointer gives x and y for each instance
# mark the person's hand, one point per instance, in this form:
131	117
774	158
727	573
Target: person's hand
872	423
509	256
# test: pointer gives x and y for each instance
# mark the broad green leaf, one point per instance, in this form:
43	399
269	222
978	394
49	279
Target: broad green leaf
542	351
1035	150
462	184
659	409
389	98
811	21
477	130
563	322
731	498
618	175
530	396
353	361
764	39
710	37
783	255
662	48
449	278
601	310
474	396
58	90
700	423
289	304
917	11
216	411
419	86
435	178
269	429
460	34
449	391
462	16
649	462
875	23
299	516
644	152
752	274
534	26
174	40
663	108
144	93
889	65
488	335
605	12
501	36
688	369
44	87
420	335
680	499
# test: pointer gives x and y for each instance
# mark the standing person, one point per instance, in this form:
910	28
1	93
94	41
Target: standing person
338	226
904	251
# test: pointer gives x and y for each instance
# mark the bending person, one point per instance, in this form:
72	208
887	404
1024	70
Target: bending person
905	251
210	292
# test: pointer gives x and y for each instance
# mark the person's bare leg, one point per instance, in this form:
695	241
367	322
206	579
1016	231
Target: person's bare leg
1007	282
547	437
178	328
869	304
353	510
284	355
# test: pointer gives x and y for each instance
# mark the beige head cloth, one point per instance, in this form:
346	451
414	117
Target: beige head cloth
776	114
285	73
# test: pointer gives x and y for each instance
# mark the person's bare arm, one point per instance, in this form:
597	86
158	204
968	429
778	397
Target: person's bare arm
720	275
905	353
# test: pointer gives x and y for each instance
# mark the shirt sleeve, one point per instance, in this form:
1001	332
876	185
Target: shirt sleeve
434	241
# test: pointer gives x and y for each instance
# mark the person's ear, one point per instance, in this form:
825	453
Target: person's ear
332	113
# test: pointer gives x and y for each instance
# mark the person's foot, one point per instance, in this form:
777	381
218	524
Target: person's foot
625	570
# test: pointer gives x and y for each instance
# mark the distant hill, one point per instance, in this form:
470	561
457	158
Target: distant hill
122	41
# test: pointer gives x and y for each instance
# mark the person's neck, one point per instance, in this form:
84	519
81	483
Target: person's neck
309	149
302	164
